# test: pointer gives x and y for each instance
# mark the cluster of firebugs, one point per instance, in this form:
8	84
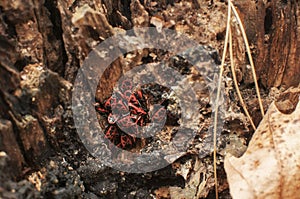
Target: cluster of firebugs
125	112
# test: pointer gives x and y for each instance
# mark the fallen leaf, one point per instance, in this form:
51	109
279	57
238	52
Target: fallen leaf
270	168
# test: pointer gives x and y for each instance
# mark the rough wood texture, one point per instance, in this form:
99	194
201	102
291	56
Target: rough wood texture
8	143
273	28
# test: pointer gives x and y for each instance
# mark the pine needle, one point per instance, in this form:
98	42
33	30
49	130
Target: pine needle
229	37
249	55
236	83
217	101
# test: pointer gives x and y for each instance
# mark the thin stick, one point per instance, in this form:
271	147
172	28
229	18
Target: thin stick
235	82
249	55
217	101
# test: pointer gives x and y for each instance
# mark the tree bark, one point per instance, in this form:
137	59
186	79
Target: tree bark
273	27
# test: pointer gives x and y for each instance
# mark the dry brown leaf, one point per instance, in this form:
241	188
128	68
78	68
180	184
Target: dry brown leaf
270	168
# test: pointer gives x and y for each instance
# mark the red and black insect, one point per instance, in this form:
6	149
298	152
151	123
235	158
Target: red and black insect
126	113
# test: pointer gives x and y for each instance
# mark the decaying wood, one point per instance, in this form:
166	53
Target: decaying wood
9	144
273	28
